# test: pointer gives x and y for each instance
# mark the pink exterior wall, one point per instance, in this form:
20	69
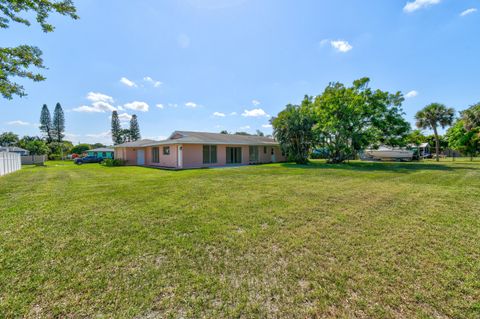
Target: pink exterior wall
193	155
165	160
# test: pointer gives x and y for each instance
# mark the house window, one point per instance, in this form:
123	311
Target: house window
104	154
155	155
166	150
264	150
209	154
253	153
234	155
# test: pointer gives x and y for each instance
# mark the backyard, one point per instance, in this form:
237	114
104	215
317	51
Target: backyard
370	240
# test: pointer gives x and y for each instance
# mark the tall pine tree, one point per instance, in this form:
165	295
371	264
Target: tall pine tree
134	129
116	129
46	123
58	123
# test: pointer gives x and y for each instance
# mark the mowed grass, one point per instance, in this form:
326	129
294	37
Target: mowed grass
363	240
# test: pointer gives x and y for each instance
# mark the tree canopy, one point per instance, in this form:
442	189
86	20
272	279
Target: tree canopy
432	117
18	61
8	139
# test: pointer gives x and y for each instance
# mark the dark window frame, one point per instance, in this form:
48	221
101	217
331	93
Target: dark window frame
166	150
156	155
209	154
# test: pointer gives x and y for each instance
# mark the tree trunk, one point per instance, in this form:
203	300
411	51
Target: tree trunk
437	144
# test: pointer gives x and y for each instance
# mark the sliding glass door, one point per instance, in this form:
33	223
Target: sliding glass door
234	155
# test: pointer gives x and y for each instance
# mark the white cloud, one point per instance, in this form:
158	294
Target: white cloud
97	107
267	125
255	102
152	81
254	113
218	114
124	117
99	97
468	11
127	82
174	105
160	106
192	105
233	113
137	106
419	4
411	94
18	123
183	41
246	127
341	46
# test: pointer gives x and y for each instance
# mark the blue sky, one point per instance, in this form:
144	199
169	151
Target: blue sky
210	65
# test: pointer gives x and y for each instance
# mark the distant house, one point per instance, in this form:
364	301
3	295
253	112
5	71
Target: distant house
14	149
185	149
101	152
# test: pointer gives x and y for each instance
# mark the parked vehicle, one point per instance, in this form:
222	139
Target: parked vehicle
384	153
88	159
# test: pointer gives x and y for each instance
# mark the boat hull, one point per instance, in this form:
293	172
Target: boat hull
390	155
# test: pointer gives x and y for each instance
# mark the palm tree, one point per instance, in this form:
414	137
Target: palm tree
431	117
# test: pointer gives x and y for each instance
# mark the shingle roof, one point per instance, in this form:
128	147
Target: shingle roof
101	149
138	143
187	137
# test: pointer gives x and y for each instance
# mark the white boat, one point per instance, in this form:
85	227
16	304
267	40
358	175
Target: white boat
385	153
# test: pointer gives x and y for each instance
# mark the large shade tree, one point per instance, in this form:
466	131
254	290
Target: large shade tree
19	61
8	139
349	119
463	140
471	117
432	117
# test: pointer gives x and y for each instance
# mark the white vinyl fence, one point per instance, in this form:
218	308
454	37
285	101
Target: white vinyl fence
9	162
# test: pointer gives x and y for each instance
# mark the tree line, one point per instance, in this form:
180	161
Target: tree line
122	135
344	120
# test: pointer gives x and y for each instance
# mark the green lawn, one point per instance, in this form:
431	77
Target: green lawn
371	240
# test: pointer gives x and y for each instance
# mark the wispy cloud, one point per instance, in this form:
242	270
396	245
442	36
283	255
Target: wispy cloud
19	123
191	105
341	46
128	82
233	113
99	97
468	11
246	127
96	107
137	106
267	125
419	4
218	114
160	106
254	113
152	81
411	94
255	102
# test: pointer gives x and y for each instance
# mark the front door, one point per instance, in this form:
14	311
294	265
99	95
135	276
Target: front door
140	157
180	156
273	155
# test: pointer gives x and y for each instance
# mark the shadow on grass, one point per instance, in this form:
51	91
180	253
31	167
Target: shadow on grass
380	166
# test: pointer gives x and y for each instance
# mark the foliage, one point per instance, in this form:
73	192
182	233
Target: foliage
471	117
116	129
8	139
259	133
349	119
463	140
292	128
46	124
415	137
80	148
17	61
224	132
97	145
60	148
113	162
58	124
433	116
134	131
36	147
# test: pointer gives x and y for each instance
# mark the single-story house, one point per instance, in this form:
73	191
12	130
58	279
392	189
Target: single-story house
185	149
14	149
102	152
